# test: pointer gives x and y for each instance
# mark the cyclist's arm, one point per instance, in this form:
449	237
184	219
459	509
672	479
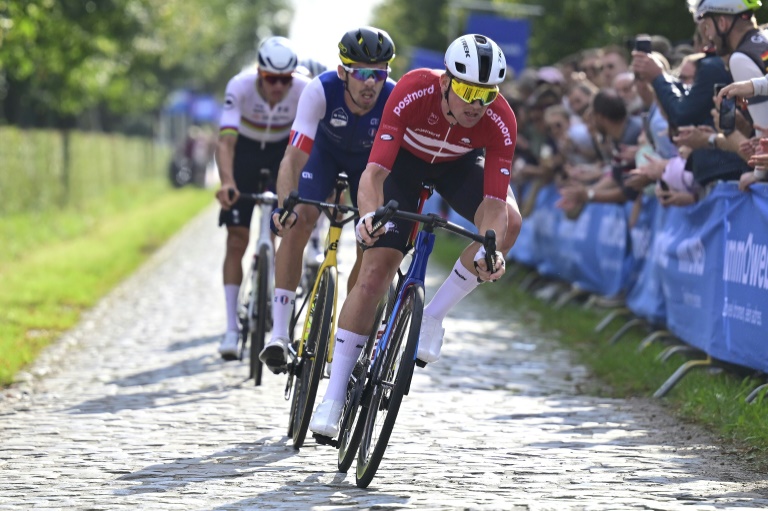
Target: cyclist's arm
370	194
309	113
225	157
229	125
291	165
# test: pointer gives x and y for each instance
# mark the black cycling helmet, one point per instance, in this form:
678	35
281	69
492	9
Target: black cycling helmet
366	45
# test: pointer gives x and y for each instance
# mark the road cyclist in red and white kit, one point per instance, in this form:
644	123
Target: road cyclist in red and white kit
334	131
259	109
452	128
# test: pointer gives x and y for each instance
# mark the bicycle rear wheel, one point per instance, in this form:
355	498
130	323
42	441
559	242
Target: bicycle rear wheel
351	428
259	312
309	369
390	381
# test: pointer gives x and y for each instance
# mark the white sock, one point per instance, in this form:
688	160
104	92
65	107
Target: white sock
459	284
282	308
230	295
345	355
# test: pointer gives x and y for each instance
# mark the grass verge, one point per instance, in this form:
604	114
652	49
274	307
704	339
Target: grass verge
58	264
713	397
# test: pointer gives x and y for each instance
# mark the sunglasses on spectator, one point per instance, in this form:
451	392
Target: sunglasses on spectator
272	79
366	73
471	93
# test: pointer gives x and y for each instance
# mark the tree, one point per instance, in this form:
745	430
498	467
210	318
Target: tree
61	59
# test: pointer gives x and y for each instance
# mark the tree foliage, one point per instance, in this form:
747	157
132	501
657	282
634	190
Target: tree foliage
565	27
61	59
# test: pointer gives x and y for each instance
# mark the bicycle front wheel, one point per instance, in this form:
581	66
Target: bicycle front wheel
309	371
259	312
351	425
390	381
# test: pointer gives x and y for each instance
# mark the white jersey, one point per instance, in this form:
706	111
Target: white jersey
246	113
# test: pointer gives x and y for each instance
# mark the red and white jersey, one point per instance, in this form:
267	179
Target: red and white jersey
246	113
413	120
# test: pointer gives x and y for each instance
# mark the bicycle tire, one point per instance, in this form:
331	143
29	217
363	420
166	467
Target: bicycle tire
244	299
390	380
261	302
314	354
351	429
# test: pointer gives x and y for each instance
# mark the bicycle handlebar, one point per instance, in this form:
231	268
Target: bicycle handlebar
258	198
293	199
432	220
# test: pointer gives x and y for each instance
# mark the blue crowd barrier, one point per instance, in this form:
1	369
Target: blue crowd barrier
699	270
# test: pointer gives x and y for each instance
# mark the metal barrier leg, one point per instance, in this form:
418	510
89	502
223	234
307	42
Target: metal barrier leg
680	348
753	395
610	317
658	334
528	281
624	329
681	371
572	294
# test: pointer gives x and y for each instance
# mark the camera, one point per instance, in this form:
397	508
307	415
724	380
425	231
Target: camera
643	43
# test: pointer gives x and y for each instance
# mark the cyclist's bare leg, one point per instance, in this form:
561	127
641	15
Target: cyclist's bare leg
288	267
355	269
237	242
377	270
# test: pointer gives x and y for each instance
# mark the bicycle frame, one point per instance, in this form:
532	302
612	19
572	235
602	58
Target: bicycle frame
330	262
421	243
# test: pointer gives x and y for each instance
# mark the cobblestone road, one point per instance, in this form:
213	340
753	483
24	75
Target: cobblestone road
133	409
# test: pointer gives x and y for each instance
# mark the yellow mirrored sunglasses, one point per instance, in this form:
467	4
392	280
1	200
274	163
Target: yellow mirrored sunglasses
471	93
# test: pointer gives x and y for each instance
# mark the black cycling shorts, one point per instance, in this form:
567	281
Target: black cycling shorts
459	182
250	158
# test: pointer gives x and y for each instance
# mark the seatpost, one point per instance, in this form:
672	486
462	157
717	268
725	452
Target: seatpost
264	175
427	189
341	185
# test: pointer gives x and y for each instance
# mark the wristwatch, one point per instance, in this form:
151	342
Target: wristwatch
712	141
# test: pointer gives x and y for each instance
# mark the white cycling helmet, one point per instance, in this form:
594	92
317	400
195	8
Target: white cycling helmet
276	55
700	8
475	58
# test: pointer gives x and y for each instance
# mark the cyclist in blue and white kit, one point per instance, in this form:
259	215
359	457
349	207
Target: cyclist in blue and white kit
339	114
259	109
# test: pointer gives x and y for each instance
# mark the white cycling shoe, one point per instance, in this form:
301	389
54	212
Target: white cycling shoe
325	420
275	355
430	339
228	349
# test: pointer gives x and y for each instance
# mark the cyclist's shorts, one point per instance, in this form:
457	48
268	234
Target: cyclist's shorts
250	158
459	182
318	178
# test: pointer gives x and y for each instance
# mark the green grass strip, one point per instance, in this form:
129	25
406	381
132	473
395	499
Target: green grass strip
55	270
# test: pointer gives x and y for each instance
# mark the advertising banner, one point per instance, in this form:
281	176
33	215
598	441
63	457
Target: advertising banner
510	34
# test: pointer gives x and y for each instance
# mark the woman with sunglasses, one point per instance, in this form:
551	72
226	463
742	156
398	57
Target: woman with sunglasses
259	108
338	115
453	128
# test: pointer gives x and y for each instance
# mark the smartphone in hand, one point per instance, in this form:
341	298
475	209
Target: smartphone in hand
663	185
727	115
643	43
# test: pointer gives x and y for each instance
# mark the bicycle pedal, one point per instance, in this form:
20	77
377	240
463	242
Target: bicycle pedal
420	363
325	440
